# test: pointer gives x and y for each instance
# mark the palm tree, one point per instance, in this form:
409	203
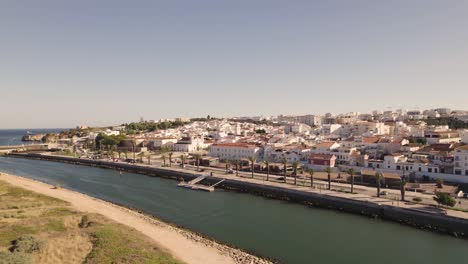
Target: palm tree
351	173
267	165
164	157
295	165
311	173
378	178
170	158
140	156
252	163
228	165
328	170
285	167
134	149
402	187
149	159
126	154
182	160
236	162
119	152
197	159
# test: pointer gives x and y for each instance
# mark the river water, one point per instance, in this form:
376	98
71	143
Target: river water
288	232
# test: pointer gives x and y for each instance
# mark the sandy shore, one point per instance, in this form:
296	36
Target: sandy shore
182	244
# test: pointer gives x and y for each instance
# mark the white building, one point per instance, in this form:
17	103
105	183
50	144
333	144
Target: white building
461	160
234	151
189	144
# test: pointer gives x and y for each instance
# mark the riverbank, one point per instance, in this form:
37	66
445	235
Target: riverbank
412	214
182	244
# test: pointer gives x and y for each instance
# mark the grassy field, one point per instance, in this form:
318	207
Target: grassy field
39	229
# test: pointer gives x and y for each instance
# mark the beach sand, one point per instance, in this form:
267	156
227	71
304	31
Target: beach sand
182	244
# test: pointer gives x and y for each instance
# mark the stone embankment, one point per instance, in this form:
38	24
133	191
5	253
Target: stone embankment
417	218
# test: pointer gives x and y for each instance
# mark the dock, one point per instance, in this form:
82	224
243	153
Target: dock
193	184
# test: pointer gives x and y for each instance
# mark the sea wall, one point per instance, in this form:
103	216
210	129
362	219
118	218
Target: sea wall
420	219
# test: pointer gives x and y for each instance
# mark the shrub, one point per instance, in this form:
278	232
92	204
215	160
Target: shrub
14	258
25	244
417	199
445	199
84	222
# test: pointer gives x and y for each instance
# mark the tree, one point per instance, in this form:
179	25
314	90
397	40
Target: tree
140	156
295	165
197	160
267	165
134	149
440	183
164	157
378	178
285	167
228	165
126	154
328	170
182	160
252	164
170	158
311	173
351	173
149	159
402	187
444	199
119	152
236	162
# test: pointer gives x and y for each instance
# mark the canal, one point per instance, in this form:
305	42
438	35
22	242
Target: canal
288	232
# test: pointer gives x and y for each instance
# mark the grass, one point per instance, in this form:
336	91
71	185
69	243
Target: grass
114	244
54	222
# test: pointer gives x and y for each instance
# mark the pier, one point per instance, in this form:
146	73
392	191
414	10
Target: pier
194	184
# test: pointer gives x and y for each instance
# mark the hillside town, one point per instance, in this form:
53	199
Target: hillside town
419	146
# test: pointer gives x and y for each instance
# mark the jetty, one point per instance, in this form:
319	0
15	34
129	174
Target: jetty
194	184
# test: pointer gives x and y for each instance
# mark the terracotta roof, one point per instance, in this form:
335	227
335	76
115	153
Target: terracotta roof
370	140
464	148
234	145
325	144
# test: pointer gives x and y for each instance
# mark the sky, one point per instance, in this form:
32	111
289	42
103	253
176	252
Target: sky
105	62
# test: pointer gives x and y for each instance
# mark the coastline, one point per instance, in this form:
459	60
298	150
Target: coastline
182	244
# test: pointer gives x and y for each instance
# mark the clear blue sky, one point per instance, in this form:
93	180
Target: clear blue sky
96	62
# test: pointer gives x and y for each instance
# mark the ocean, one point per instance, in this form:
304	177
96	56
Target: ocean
12	137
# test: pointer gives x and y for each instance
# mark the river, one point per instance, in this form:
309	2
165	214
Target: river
288	232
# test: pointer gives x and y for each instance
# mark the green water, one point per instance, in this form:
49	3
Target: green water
287	232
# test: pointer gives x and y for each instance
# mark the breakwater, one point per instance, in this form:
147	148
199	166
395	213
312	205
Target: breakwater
420	219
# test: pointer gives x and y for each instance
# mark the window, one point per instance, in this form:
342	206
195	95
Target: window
429	170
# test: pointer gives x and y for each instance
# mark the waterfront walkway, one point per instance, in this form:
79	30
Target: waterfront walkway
341	190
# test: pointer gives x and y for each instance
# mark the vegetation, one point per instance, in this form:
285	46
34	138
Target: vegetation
267	165
311	173
260	131
328	170
417	199
295	166
39	227
351	174
252	161
378	179
453	123
136	127
444	199
103	140
439	183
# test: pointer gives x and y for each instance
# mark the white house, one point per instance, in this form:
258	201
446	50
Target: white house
461	160
189	144
234	151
